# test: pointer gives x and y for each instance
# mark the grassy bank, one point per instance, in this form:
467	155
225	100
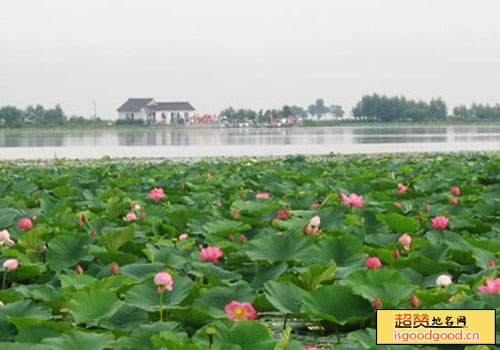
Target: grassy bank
292	239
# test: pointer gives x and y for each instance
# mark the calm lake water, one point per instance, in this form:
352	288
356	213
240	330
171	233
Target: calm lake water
187	143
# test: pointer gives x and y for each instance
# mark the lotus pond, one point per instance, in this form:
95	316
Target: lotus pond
255	254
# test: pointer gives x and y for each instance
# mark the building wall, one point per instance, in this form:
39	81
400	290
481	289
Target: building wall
136	115
171	116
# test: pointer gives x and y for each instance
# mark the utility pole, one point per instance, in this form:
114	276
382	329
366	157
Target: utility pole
95	112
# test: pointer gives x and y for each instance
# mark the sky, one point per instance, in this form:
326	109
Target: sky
249	54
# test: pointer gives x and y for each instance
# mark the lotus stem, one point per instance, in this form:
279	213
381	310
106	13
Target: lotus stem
284	322
4	279
161	306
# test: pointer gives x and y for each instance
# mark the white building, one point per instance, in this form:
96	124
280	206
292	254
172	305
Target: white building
152	112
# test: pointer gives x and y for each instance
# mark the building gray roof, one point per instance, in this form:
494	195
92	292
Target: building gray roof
172	106
134	104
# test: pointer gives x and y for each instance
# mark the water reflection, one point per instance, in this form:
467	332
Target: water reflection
251	137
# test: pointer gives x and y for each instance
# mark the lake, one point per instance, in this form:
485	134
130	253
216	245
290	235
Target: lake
194	143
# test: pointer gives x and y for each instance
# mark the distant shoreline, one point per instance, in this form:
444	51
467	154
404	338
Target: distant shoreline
308	124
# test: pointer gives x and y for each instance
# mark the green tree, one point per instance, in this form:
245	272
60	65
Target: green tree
11	117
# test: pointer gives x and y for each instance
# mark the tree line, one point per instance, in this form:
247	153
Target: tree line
374	108
13	117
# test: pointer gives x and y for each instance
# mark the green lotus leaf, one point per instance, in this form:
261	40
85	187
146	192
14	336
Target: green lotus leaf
389	285
66	251
144	296
285	296
77	340
336	304
286	247
93	306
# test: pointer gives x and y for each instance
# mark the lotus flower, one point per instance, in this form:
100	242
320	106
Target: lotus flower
372	262
491	287
114	269
130	217
398	205
25	224
262	195
492	263
211	253
208	175
440	222
310	348
455	190
4	235
237	311
396	254
402	188
315	221
282	214
453	200
405	239
164	281
79	270
443	281
10	265
353	200
377	303
243	238
414	301
183	237
1	303
156	194
236	214
315	205
427	207
135	206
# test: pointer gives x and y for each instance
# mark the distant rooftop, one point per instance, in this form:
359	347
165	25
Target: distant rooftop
134	104
172	106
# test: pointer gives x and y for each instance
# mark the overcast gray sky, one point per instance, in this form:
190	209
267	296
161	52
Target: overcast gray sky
257	54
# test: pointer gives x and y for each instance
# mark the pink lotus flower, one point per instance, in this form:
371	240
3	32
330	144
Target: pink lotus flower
279	233
130	217
25	224
372	262
236	214
315	205
243	238
262	195
208	175
10	243
398	205
1	303
315	221
4	236
453	200
79	270
183	237
402	188
156	194
135	206
491	287
405	239
164	281
443	280
354	200
342	195
415	302
282	214
455	190
492	263
396	254
211	253
377	303
237	311
310	348
115	269
440	222
10	265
